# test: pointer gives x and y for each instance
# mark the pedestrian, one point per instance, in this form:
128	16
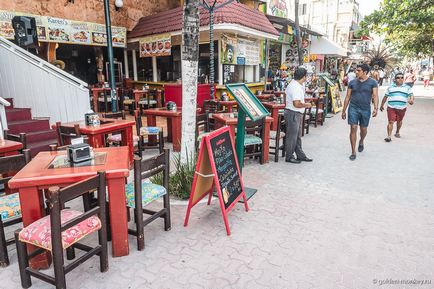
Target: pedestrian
294	110
410	77
381	74
351	76
358	101
397	96
426	77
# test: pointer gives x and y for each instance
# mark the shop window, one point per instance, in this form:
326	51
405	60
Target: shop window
242	73
144	68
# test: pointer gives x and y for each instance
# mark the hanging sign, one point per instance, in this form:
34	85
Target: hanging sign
52	29
278	8
217	167
157	45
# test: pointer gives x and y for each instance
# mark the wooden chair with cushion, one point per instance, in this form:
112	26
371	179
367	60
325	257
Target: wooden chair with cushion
143	192
66	133
306	121
146	131
202	127
115	138
21	137
10	211
254	138
62	230
317	112
149	100
278	137
128	100
210	107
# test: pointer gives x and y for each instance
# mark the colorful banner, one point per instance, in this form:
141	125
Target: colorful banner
51	29
278	8
157	45
240	51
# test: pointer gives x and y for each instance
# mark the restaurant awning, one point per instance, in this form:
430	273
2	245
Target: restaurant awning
235	16
322	45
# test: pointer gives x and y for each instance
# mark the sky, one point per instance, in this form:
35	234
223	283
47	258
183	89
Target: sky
368	6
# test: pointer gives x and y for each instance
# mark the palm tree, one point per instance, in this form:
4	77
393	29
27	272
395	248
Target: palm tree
189	62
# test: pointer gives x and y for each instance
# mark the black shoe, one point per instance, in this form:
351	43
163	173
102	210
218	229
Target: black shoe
361	148
293	160
352	157
305	159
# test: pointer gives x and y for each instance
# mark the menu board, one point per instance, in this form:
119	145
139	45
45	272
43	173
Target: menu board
217	167
158	45
247	101
336	99
235	50
51	29
226	167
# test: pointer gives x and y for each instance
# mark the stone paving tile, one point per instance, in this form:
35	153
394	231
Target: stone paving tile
330	224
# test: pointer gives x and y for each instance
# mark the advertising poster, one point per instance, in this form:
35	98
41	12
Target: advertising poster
51	29
229	44
157	45
240	51
278	8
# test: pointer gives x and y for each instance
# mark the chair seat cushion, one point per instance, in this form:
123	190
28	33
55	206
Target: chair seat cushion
118	138
150	192
145	101
10	207
273	134
313	110
149	130
128	101
39	233
252	140
101	99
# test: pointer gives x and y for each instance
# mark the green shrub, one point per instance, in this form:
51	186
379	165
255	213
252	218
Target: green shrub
181	180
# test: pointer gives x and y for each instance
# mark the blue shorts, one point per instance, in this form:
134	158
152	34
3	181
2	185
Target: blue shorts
358	116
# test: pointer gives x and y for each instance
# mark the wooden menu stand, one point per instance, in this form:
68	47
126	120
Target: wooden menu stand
217	167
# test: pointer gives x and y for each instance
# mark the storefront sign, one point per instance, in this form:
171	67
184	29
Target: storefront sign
240	51
278	8
51	29
157	45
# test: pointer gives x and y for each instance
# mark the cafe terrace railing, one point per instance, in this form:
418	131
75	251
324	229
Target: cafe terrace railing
35	83
3	123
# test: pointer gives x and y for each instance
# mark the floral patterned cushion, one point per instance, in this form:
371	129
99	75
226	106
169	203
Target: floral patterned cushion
150	192
149	130
10	206
118	138
145	101
39	233
273	134
250	139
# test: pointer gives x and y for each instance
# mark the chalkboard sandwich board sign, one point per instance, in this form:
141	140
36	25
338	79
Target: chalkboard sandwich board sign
217	167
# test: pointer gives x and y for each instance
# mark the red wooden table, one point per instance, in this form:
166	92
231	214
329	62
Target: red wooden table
265	96
173	124
9	147
36	176
96	134
229	104
222	119
274	107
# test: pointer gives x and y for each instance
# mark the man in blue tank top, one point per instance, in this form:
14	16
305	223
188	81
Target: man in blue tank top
361	91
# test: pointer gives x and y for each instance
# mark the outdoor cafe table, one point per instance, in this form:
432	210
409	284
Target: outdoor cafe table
138	94
174	119
9	147
222	119
96	134
228	104
37	175
265	96
274	107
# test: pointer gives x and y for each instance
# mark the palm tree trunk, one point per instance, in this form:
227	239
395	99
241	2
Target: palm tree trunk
189	63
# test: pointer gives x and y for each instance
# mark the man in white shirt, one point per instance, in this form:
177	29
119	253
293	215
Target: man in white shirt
294	110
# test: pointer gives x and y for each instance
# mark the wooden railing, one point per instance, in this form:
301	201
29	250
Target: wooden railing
41	86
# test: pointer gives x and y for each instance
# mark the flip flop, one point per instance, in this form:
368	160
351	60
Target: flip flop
352	157
388	139
360	148
397	135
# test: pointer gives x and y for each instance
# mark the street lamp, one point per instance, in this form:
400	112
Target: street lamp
110	53
211	8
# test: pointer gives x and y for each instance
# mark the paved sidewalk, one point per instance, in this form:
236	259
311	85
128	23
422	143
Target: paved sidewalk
329	224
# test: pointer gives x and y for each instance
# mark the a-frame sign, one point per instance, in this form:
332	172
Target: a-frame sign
217	167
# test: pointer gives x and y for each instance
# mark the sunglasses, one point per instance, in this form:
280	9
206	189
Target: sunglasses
399	77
